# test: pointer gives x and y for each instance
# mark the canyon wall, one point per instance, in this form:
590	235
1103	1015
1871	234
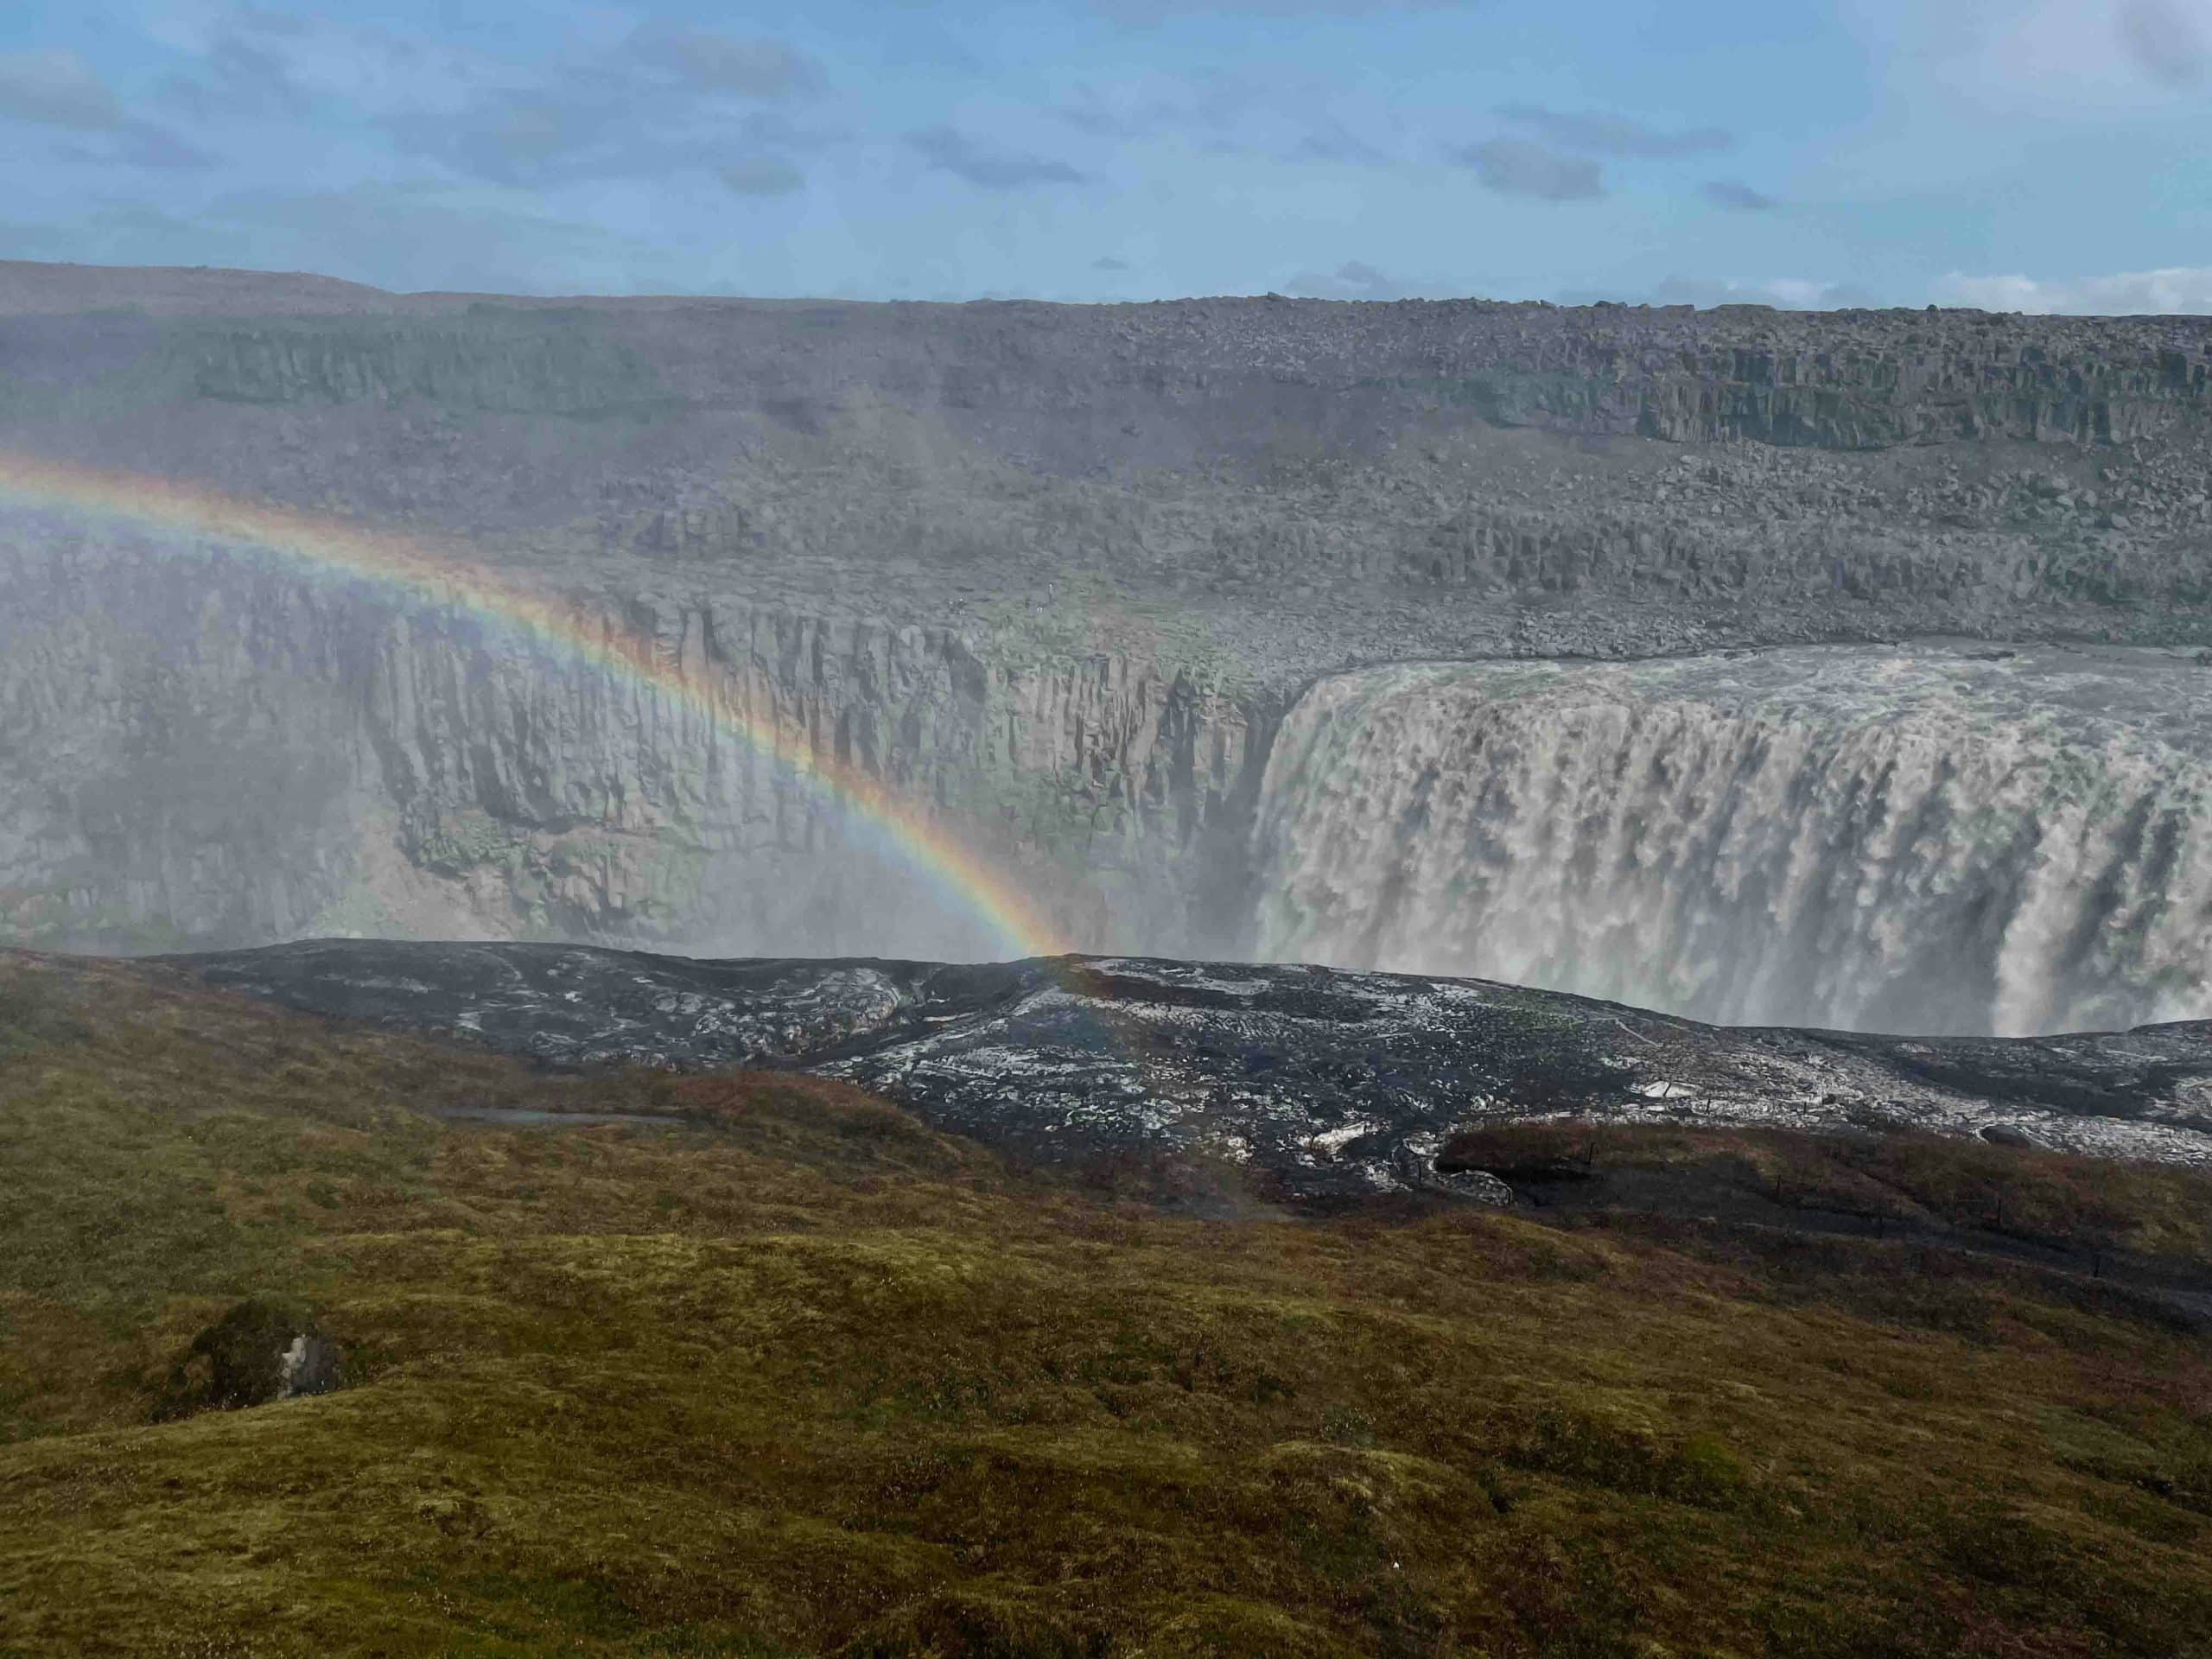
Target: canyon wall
1050	574
201	744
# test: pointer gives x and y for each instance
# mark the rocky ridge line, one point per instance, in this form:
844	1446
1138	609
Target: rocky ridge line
1320	1085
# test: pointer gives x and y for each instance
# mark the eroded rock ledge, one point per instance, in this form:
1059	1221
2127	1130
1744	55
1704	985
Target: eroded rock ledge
1324	1086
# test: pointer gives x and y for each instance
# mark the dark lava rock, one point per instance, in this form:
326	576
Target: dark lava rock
258	1352
1326	1086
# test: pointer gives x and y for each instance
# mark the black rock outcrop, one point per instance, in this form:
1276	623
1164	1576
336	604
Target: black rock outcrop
1324	1086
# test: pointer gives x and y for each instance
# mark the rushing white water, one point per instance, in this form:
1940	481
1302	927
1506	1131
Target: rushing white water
1904	839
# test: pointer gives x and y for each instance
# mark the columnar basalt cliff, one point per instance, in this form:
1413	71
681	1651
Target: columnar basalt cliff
206	747
1053	574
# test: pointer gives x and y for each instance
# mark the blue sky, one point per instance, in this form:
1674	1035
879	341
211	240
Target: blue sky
2042	154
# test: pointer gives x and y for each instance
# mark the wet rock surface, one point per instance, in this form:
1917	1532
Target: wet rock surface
1326	1086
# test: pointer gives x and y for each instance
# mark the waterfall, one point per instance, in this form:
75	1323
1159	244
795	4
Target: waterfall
1906	839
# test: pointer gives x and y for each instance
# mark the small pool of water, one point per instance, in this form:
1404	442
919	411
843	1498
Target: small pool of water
533	1117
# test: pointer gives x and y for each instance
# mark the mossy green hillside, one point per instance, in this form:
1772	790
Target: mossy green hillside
794	1374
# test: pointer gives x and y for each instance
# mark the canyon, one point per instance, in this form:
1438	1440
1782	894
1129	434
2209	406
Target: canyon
1097	591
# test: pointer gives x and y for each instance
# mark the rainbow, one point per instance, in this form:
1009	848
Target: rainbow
420	575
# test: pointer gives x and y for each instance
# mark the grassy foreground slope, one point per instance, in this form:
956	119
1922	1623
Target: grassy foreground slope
792	1375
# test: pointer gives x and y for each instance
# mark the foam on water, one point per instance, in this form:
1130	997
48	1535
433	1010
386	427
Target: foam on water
1916	839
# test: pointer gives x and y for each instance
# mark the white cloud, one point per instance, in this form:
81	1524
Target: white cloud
987	165
762	176
658	102
2165	38
56	89
2094	49
1355	279
2175	290
584	98
745	66
140	144
248	62
1514	166
1159	11
2086	54
1737	196
1783	293
1221	112
1603	134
